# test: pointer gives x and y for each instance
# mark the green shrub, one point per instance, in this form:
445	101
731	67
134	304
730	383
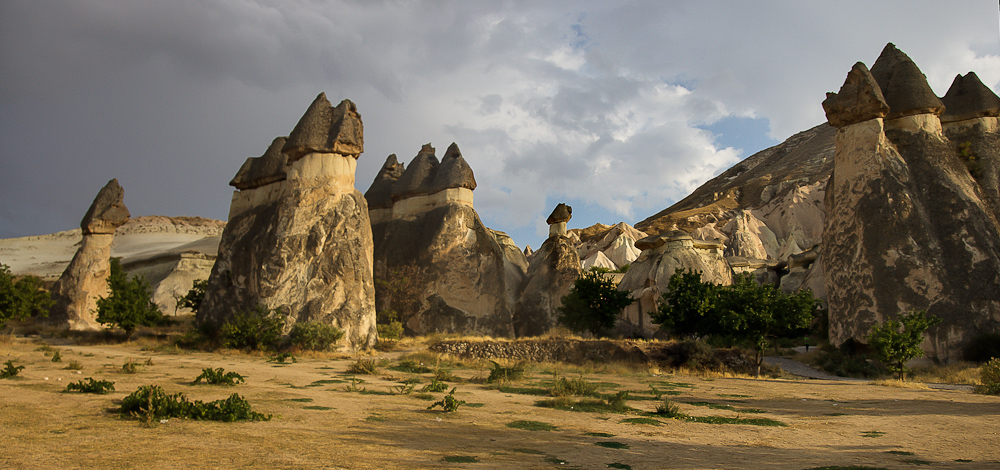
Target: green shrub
282	357
529	425
435	386
74	365
391	331
10	370
668	409
573	388
593	304
130	367
314	336
897	341
22	299
989	378
89	385
501	374
412	366
255	329
364	367
194	297
129	303
56	357
218	377
449	403
151	402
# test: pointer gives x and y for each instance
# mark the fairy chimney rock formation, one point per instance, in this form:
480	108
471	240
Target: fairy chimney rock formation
460	276
298	238
86	277
971	122
969	98
558	218
860	99
908	226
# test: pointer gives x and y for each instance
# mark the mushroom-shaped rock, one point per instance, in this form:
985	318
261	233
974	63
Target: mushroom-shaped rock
562	213
969	98
379	194
904	87
858	100
325	129
454	172
418	178
108	210
262	170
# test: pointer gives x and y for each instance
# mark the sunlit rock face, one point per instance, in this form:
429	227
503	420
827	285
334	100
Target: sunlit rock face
907	225
86	278
465	276
299	238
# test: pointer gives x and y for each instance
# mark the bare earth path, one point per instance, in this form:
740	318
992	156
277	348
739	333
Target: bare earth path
318	423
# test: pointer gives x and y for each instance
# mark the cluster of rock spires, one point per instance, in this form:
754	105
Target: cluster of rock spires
908	225
298	238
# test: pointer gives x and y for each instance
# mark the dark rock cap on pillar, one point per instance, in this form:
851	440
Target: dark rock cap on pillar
108	210
454	172
903	85
418	178
859	99
326	129
968	98
379	194
562	213
262	170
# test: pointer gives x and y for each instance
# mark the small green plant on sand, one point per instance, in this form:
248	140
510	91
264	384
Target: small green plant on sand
435	386
10	370
668	409
151	402
449	404
529	425
573	388
218	377
89	385
56	357
989	378
364	367
74	365
282	357
501	374
130	367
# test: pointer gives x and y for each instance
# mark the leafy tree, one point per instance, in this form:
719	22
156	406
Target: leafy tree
593	304
744	311
397	299
23	298
130	304
195	296
897	341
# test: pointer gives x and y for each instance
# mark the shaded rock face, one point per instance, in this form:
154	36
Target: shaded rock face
86	277
424	224
263	170
552	270
909	228
303	244
649	275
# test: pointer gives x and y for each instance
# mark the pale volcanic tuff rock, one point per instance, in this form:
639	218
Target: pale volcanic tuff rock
970	122
263	170
86	277
423	219
858	100
608	246
552	270
303	245
907	227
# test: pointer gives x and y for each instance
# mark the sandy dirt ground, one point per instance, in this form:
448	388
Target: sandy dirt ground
318	423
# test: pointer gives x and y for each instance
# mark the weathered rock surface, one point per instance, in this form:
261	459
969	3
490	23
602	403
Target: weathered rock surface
907	227
303	245
263	170
904	87
858	100
558	218
968	98
552	270
86	277
608	246
649	275
468	276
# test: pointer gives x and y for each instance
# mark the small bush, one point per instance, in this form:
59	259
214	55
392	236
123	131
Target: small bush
282	357
668	409
412	366
314	336
364	367
89	385
449	404
56	356
151	402
573	388
501	374
10	370
989	378
129	303
130	367
218	377
435	386
255	329
194	297
391	331
74	365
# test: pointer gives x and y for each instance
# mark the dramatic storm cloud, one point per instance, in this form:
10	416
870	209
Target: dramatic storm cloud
619	108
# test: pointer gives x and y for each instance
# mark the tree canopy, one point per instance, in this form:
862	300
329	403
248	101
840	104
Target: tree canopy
897	341
593	304
22	298
129	304
744	311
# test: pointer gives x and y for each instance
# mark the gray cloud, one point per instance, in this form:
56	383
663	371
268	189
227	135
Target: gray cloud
593	102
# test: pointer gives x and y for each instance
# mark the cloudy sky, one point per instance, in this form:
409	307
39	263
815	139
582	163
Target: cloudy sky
619	108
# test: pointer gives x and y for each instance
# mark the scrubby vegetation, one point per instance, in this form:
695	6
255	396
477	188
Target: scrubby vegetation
218	377
990	378
898	341
593	305
151	402
449	404
89	385
21	299
129	303
257	329
10	370
314	336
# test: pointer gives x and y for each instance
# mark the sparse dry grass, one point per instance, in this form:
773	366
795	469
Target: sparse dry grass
962	373
896	383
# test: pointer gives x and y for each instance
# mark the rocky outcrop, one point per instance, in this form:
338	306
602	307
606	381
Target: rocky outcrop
465	276
970	122
907	226
86	278
552	270
649	275
302	244
612	247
